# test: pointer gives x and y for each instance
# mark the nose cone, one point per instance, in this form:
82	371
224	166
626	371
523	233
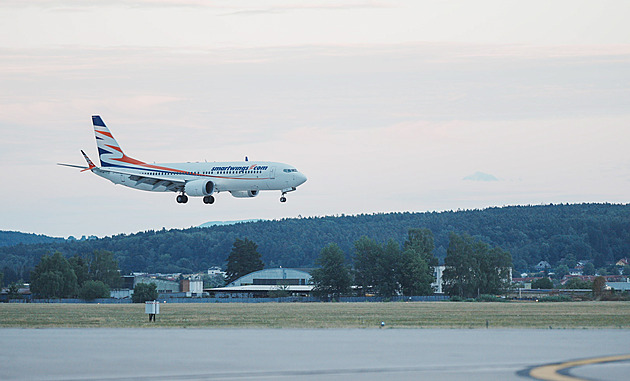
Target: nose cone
299	179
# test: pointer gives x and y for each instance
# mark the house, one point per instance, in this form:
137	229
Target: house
577	271
616	278
622	262
542	266
216	271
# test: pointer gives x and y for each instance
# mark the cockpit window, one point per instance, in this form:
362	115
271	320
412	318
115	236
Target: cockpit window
289	170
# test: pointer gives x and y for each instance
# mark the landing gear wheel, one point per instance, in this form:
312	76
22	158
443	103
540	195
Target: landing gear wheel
283	199
208	200
182	199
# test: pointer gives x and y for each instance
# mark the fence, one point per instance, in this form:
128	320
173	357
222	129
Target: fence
77	301
290	299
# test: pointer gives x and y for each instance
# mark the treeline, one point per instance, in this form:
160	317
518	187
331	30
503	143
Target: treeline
473	268
597	232
11	238
88	277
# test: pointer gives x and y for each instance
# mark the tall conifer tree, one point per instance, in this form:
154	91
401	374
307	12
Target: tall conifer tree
243	259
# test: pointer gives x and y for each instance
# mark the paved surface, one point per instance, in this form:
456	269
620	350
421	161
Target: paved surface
287	354
568	369
610	371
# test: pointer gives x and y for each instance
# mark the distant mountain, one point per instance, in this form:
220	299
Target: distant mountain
596	232
223	223
480	176
11	238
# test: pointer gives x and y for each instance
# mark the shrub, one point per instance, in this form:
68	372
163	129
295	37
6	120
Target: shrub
578	284
557	298
542	283
615	296
490	298
280	292
144	292
94	289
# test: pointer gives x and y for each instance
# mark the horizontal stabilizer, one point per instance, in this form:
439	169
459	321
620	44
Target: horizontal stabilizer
84	168
73	166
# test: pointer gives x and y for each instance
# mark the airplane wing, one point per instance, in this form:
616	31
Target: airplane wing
173	185
83	168
156	182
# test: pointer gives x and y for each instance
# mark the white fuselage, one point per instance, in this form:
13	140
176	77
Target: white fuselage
226	176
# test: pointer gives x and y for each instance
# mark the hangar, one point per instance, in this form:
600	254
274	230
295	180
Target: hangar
279	276
268	283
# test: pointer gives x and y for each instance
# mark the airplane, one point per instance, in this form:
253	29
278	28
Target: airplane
243	179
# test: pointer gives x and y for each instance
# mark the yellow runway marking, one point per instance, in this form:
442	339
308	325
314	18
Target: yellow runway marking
550	372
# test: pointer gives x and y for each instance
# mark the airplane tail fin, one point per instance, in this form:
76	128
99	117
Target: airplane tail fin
109	152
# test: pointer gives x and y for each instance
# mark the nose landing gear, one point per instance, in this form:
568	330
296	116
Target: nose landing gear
208	200
285	191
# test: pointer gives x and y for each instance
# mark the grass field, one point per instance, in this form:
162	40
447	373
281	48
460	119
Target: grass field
322	315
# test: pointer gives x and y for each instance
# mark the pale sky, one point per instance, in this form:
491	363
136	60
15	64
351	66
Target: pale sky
385	105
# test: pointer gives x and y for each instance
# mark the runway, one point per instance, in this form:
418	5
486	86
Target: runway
305	354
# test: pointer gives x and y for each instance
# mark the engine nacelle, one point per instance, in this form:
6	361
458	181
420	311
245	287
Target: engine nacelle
199	188
244	194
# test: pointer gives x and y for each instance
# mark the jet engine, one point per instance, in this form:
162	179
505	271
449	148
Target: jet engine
244	194
199	188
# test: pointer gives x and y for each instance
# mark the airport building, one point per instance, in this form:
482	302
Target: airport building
266	283
189	287
279	276
438	282
619	286
164	286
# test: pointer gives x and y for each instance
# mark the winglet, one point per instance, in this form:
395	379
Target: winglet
89	162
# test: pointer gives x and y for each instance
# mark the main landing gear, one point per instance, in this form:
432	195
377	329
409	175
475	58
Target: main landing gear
182	199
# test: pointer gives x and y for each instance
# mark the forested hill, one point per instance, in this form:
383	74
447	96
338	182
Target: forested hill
10	238
600	232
